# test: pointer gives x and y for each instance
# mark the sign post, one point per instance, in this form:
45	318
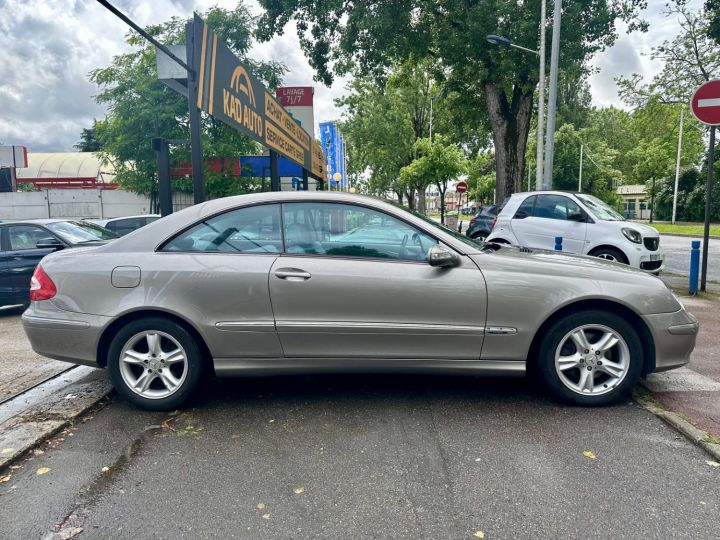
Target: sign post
461	187
705	107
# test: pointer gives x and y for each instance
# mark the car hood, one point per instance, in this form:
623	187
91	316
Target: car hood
566	262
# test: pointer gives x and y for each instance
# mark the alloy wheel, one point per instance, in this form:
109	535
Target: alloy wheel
153	364
592	359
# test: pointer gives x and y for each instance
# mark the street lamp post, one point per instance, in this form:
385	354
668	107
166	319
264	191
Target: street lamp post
505	42
552	98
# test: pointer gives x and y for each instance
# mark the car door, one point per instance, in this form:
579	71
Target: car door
554	215
523	226
343	295
6	287
216	272
23	254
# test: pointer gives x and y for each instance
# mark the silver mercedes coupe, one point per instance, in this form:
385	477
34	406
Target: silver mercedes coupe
279	283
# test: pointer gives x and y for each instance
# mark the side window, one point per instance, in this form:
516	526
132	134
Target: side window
555	207
255	229
344	230
125	226
26	236
526	208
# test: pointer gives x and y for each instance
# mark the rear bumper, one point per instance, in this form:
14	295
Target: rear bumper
62	335
674	335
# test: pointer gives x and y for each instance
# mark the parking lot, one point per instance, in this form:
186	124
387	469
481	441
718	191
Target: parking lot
677	255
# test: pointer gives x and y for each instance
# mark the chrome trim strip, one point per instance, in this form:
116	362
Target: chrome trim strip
501	330
386	326
244	325
44	322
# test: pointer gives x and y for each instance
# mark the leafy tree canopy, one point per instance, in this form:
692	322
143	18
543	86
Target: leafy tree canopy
141	107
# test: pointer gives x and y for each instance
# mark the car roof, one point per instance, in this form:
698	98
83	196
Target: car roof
546	192
44	221
125	217
159	231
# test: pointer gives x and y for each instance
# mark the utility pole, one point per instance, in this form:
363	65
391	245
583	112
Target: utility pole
677	165
580	173
552	99
541	103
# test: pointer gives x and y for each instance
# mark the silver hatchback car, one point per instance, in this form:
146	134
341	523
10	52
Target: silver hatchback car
316	282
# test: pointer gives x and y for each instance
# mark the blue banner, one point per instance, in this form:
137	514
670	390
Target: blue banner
333	147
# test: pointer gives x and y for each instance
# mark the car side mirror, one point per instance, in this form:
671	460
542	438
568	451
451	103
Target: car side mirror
49	243
576	216
442	257
520	214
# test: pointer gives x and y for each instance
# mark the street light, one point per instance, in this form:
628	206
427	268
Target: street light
505	42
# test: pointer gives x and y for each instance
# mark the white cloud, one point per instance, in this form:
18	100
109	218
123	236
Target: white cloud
49	46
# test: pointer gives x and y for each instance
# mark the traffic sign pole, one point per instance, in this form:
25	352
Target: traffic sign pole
705	106
708	207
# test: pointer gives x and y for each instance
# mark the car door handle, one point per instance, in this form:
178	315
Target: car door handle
292	274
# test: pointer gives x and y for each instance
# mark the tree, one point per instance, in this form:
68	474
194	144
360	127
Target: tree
88	141
141	107
436	162
481	178
371	36
712	8
382	123
689	60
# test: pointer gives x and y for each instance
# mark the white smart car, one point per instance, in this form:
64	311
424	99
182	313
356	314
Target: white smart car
587	225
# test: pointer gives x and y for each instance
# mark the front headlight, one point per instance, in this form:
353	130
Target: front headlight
632	235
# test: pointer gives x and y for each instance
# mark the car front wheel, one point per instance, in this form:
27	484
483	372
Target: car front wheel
590	358
154	363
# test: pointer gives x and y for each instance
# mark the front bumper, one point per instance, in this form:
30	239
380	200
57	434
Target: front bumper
649	261
63	335
674	335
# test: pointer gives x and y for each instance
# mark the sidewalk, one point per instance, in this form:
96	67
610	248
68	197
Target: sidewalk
694	390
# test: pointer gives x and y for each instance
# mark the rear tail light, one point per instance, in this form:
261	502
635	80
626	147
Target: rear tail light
472	221
493	223
41	286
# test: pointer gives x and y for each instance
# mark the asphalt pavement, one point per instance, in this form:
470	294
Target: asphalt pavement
366	457
677	255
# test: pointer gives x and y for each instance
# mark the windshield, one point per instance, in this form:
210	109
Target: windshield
79	232
599	209
477	244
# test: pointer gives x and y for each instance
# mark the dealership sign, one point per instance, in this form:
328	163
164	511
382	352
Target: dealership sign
230	93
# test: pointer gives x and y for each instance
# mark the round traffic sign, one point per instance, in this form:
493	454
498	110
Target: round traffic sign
461	187
705	103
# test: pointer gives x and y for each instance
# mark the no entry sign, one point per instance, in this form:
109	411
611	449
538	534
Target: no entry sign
705	103
461	187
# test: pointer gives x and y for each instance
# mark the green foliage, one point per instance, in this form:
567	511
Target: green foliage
496	84
689	59
141	107
436	162
88	142
481	178
712	8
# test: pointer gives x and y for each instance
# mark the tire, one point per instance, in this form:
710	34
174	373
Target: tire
613	373
479	236
610	254
156	377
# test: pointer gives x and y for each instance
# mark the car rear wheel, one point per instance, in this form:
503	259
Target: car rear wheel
479	236
590	358
154	363
610	254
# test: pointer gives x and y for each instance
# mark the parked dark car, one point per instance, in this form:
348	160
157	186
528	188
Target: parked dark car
124	225
481	225
24	243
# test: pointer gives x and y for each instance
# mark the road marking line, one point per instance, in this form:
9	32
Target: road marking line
711	102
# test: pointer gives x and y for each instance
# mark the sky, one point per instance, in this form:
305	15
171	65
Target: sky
48	47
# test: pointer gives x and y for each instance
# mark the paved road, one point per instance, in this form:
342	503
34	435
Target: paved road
677	255
367	457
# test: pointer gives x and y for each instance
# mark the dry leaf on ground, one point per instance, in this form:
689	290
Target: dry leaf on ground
479	534
298	490
589	454
712	463
5	478
42	470
6	451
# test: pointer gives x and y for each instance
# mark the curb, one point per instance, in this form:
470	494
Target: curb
31	426
692	236
695	435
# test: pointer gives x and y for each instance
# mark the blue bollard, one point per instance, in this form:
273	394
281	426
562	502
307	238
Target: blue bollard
694	266
558	243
